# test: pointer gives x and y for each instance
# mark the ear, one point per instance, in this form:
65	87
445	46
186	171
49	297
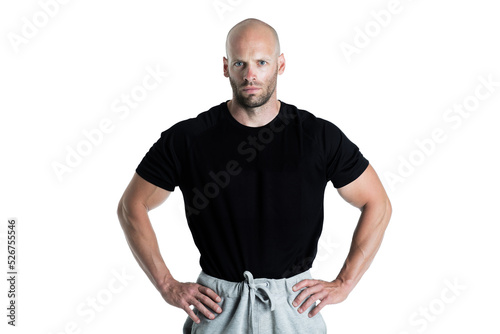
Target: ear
226	64
281	64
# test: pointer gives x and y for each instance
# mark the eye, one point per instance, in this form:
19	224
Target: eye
238	64
262	62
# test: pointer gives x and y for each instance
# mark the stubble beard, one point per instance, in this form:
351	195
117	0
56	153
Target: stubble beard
254	101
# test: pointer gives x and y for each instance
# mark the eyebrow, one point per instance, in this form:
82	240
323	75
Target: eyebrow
258	59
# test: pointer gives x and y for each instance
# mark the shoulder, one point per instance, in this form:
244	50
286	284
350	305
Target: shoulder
310	123
194	126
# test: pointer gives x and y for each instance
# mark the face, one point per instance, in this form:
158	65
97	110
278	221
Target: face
252	67
252	92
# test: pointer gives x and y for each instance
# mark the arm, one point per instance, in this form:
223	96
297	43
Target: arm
140	197
367	194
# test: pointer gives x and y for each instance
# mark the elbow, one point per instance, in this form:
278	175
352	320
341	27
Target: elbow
130	213
120	212
388	209
381	209
123	213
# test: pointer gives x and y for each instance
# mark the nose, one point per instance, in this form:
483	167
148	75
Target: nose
250	74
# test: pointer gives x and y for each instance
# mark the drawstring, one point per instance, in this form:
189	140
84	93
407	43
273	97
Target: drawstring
261	291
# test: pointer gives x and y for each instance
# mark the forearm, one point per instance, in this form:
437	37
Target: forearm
366	241
143	243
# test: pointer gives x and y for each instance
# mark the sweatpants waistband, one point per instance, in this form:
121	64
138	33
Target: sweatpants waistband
230	289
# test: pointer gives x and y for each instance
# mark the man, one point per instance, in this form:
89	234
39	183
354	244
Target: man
253	172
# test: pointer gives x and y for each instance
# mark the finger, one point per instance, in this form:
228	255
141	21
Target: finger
207	301
191	314
317	309
209	292
201	307
311	300
301	284
307	292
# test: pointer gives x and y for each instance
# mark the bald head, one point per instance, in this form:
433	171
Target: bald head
253	64
252	31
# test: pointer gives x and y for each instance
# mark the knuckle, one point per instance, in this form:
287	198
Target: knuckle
189	297
302	295
204	290
187	309
205	300
206	313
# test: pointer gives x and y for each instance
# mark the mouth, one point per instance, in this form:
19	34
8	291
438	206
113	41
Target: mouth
251	90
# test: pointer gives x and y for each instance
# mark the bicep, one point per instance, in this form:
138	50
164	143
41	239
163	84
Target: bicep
366	189
141	194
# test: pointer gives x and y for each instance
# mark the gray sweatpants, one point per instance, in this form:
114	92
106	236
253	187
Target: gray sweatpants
256	306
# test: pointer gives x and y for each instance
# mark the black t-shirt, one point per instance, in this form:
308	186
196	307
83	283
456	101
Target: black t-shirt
253	195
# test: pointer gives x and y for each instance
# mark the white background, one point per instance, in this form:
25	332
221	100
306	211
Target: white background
64	79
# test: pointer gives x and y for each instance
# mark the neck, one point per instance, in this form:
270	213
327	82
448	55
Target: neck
254	117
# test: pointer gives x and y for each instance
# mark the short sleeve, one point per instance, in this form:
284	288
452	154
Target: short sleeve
345	163
161	166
